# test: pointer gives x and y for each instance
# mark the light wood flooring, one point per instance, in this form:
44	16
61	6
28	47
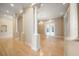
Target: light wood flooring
71	48
49	47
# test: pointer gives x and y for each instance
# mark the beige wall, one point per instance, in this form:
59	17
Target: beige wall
9	22
59	27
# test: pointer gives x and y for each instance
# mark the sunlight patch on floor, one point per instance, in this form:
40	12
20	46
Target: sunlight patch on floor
41	53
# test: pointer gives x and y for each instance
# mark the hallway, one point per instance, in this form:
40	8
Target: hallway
23	34
39	29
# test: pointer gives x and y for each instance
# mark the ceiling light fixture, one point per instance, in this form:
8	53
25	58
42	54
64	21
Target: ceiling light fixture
33	4
12	5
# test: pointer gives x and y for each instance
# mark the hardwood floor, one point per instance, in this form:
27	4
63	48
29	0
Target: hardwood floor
52	46
71	48
12	47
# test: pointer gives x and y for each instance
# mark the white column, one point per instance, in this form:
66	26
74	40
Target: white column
73	21
35	19
35	40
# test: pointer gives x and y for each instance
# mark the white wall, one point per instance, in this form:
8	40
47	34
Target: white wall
9	22
28	24
71	31
73	21
67	24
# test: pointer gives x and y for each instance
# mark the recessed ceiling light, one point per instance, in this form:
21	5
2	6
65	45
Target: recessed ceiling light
33	4
12	5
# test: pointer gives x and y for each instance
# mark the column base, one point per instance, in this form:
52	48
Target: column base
35	42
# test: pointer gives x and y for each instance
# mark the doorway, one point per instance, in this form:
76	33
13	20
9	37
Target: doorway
20	27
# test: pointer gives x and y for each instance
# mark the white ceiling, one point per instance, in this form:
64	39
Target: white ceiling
46	11
52	10
12	10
